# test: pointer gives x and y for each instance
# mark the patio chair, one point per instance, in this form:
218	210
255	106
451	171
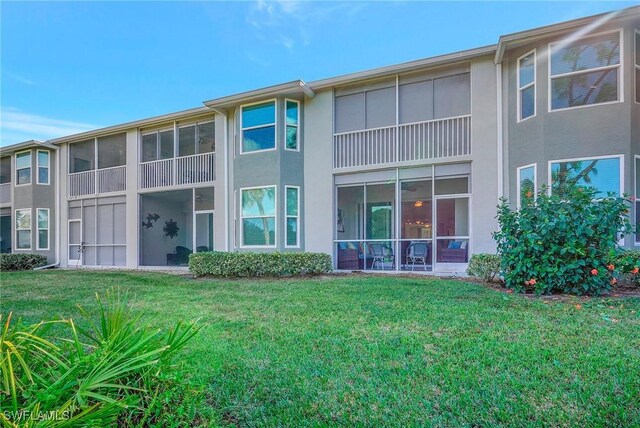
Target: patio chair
417	253
381	253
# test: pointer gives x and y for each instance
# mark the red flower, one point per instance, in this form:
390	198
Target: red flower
635	270
614	281
529	194
532	281
578	306
594	271
611	267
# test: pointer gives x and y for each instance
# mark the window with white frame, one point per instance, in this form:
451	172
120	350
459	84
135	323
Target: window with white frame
292	216
292	125
602	173
157	145
23	167
43	228
43	166
258	127
527	86
637	64
585	72
23	229
196	138
526	184
258	217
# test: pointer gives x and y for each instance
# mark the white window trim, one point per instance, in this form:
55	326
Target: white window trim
19	229
287	216
619	66
157	134
16	169
588	158
535	182
636	38
196	135
527	86
274	124
274	216
297	125
48	229
48	166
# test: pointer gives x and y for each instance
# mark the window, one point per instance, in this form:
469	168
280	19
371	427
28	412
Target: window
637	64
526	184
293	213
258	127
23	168
604	174
43	228
585	72
5	170
112	151
196	138
292	125
259	217
43	167
82	156
527	86
23	229
157	145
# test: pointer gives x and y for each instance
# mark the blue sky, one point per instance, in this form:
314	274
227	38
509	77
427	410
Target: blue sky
71	67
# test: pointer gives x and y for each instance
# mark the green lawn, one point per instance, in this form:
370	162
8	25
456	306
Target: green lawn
358	350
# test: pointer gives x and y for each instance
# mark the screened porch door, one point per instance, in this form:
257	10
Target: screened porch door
75	242
203	234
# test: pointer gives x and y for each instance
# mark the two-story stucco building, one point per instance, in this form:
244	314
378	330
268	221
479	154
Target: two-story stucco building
396	168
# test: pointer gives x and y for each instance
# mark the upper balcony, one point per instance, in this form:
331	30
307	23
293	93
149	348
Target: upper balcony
408	119
97	166
178	156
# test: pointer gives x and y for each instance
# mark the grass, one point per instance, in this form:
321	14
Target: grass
361	350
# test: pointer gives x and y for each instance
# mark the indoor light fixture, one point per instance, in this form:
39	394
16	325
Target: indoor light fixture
418	204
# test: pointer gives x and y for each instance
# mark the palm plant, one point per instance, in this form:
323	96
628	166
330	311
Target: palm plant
89	377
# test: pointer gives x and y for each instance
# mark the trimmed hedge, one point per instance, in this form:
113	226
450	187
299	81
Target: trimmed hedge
224	264
22	261
485	266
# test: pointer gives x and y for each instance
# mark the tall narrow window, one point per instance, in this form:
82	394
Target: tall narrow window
637	63
585	72
43	228
293	214
258	127
23	167
23	229
293	120
43	167
526	184
5	170
527	86
259	217
603	174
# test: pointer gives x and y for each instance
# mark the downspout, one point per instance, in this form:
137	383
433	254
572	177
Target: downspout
500	137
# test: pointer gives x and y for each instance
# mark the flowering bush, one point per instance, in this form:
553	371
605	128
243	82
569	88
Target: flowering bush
567	244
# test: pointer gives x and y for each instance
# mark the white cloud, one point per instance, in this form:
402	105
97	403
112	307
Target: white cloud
17	126
19	78
292	21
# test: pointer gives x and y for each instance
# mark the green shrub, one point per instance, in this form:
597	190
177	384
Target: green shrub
249	264
21	261
106	374
485	266
562	244
627	265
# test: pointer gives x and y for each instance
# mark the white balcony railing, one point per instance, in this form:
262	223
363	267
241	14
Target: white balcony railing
5	193
192	169
99	181
441	138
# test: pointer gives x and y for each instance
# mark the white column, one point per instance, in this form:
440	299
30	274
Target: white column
132	216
